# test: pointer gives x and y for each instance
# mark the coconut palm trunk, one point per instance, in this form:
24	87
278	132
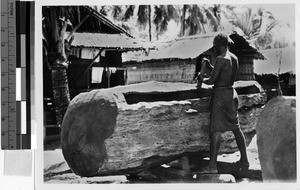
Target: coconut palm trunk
60	85
149	20
61	93
182	30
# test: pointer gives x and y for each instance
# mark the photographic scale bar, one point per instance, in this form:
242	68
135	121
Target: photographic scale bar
16	24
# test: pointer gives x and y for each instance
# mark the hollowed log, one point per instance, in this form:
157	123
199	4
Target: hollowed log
102	134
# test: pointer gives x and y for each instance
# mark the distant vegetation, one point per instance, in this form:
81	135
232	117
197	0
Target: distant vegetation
158	22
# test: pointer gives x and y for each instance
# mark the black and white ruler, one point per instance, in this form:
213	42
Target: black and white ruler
17	26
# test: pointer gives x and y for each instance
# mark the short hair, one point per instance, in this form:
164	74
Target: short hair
221	40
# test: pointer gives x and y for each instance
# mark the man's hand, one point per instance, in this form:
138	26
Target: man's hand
205	60
200	77
193	80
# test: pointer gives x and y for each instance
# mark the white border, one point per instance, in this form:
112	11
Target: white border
39	101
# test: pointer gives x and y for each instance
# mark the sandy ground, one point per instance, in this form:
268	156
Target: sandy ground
56	169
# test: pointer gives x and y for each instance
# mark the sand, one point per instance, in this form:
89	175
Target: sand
56	170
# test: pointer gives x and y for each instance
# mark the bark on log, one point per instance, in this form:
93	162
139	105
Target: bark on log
104	135
276	139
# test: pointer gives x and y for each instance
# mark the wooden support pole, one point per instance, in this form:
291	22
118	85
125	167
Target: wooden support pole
90	65
78	25
185	163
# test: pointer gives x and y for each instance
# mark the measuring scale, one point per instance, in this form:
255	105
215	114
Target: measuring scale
8	75
15	73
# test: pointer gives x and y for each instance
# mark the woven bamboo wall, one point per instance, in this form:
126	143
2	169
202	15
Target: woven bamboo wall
246	69
179	71
166	71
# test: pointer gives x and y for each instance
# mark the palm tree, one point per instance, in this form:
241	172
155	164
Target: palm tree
129	12
213	17
149	21
56	21
256	26
144	17
116	12
182	29
103	10
199	17
247	21
196	20
162	15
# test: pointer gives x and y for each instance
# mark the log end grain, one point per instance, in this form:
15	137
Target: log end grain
276	139
84	124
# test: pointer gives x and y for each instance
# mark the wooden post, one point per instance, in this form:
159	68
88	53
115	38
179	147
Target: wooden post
78	25
185	166
108	77
88	68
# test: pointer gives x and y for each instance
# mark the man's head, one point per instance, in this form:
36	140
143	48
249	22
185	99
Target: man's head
220	43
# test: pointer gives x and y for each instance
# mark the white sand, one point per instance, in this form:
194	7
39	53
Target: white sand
54	162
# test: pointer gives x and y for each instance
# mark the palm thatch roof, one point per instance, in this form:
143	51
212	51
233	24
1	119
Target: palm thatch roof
191	47
285	57
120	42
241	47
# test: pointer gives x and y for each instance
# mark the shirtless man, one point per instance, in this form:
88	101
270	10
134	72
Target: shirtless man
223	104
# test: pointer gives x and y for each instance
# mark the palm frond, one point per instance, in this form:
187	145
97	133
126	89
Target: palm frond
213	21
129	12
158	15
173	13
116	11
143	15
103	10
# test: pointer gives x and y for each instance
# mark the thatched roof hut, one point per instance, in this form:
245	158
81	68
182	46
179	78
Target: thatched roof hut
95	53
186	53
94	35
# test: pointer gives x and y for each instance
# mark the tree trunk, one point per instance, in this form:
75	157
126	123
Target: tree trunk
183	20
54	25
203	28
104	134
61	94
59	60
149	20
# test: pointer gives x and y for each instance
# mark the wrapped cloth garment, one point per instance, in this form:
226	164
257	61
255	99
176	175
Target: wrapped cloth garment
223	108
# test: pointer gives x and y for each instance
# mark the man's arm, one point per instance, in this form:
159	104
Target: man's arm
215	73
198	66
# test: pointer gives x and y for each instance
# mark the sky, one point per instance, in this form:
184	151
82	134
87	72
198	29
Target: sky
281	12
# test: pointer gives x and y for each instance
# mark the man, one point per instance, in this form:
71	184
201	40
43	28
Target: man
223	104
203	64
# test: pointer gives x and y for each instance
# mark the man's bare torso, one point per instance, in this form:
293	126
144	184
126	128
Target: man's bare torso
225	70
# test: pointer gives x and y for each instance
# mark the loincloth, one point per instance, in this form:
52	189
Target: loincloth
223	108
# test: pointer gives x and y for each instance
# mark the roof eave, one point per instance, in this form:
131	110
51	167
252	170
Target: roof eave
159	59
123	49
107	21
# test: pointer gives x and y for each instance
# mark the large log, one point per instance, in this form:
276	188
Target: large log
276	140
103	134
